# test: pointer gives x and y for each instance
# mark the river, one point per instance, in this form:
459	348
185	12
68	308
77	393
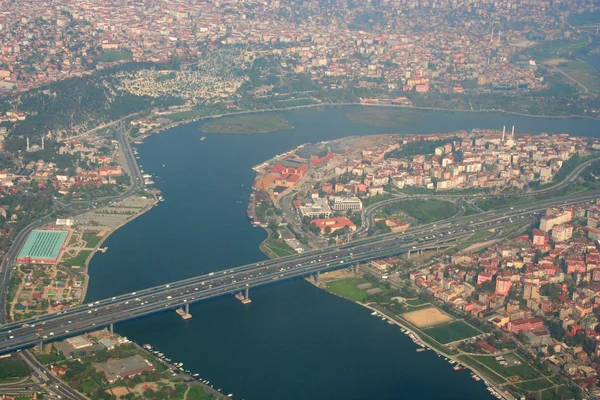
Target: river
293	341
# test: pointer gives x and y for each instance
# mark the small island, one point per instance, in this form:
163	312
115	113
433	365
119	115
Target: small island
246	124
385	117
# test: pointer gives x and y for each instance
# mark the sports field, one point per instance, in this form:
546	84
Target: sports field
43	245
452	332
427	317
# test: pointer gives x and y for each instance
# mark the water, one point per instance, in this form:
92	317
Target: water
294	341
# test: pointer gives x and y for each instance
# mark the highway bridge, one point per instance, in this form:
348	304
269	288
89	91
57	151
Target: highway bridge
105	313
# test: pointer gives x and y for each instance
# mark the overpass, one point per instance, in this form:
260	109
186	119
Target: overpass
105	313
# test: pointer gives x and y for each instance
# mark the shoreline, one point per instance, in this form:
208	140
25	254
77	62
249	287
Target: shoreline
397	321
104	238
187	377
216	116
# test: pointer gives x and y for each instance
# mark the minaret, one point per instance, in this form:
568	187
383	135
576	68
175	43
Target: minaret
28	144
503	132
42	143
492	36
513	132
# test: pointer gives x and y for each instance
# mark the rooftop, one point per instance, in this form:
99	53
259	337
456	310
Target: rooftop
43	245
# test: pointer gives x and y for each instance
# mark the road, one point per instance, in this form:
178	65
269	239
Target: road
54	385
369	212
102	313
137	182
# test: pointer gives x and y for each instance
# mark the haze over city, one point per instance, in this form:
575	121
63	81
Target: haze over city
334	199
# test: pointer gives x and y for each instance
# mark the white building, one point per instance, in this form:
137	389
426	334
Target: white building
346	203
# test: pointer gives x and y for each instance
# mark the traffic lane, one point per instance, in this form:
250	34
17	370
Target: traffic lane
103	317
367	247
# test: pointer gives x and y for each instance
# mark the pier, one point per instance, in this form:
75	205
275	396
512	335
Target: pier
185	314
244	299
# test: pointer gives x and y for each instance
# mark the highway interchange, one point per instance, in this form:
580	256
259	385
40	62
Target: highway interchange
102	313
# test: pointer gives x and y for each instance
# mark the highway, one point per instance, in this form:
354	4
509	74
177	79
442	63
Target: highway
101	313
54	385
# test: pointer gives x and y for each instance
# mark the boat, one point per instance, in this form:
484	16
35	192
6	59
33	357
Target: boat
195	375
390	323
420	350
203	138
374	313
230	395
457	368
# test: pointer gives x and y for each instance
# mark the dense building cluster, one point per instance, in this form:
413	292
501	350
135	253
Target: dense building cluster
543	287
393	44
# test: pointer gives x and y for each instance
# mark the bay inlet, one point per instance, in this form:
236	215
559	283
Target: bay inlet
294	341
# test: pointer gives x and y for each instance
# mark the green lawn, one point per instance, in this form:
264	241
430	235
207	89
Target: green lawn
479	235
297	102
91	240
13	367
523	370
347	288
50	358
197	393
416	302
185	115
78	260
245	124
559	393
535	385
274	248
115	55
452	332
426	211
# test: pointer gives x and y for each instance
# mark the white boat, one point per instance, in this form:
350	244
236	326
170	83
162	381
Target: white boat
374	313
195	375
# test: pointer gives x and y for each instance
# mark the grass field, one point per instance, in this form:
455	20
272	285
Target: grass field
559	393
479	236
582	73
197	393
245	124
347	288
297	102
78	260
535	385
115	55
452	332
91	240
274	248
427	211
416	302
524	371
185	115
385	117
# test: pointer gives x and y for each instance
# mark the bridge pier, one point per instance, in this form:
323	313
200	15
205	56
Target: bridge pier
245	299
408	255
40	347
111	329
316	277
187	308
